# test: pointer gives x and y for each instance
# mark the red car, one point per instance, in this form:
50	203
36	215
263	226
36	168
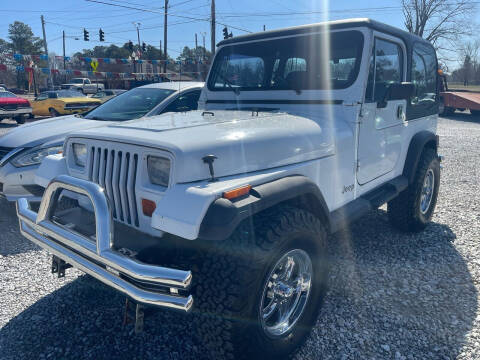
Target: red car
15	107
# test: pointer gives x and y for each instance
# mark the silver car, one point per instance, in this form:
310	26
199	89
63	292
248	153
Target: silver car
23	149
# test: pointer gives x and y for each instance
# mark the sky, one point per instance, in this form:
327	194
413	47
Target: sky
186	17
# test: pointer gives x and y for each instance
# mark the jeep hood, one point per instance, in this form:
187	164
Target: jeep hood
46	131
242	141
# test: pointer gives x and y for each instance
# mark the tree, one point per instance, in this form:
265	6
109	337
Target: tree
469	71
22	39
439	20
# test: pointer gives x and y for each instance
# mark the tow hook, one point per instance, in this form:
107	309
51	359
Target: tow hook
59	266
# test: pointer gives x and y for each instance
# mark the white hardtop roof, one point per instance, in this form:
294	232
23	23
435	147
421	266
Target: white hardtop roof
174	85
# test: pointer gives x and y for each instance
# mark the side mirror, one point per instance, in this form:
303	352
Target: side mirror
397	91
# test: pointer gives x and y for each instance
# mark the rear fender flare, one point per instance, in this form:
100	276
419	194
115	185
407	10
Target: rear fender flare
418	143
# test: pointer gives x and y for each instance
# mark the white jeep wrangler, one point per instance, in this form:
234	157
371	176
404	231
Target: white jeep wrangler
226	211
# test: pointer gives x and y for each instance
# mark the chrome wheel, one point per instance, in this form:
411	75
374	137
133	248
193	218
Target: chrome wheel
427	191
285	293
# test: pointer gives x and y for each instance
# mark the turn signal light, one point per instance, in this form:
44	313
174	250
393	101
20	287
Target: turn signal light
148	207
235	193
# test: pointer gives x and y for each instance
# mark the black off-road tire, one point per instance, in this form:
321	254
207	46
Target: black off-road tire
404	211
229	280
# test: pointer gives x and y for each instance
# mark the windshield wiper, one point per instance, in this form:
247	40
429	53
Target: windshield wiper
78	115
230	85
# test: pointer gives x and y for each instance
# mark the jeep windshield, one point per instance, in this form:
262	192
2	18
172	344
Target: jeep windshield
129	105
294	63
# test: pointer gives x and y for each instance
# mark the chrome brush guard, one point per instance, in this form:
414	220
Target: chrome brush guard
96	255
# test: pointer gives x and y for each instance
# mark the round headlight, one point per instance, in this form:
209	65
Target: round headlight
35	156
158	170
79	154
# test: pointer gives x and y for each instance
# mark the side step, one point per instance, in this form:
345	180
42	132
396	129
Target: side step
371	200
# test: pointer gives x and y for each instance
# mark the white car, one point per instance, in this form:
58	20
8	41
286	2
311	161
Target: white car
23	149
226	212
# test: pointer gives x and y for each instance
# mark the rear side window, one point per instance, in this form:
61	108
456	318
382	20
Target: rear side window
424	75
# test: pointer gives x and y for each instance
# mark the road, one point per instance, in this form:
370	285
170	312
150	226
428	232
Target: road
391	295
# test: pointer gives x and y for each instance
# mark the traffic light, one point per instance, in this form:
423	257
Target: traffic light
226	35
101	35
130	45
85	35
144	47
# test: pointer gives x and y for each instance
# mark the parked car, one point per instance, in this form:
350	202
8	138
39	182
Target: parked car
14	107
62	102
105	95
24	148
84	85
227	210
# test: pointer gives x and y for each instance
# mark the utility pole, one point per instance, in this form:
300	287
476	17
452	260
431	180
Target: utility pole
49	81
165	37
212	27
196	55
137	24
64	67
159	65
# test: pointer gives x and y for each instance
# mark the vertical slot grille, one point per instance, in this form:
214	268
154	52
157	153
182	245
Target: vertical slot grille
116	172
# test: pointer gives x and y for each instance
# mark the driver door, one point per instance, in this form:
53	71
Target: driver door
382	123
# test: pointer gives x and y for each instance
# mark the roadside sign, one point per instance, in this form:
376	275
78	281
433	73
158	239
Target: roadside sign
94	64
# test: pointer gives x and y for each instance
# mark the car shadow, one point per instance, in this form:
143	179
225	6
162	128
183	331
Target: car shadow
12	242
463	116
413	288
84	319
383	285
4	125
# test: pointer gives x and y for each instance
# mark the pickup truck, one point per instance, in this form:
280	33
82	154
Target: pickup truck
225	212
84	85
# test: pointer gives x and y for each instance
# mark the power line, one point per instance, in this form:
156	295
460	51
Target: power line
157	12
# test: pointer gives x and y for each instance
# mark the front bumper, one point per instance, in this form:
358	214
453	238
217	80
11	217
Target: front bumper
19	111
99	257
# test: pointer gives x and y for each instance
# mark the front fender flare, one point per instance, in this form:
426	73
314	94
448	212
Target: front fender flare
223	216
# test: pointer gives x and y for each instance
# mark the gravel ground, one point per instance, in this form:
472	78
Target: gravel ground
391	296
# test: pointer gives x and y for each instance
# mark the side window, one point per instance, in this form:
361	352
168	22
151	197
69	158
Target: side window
386	67
42	96
52	95
185	102
294	65
424	75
